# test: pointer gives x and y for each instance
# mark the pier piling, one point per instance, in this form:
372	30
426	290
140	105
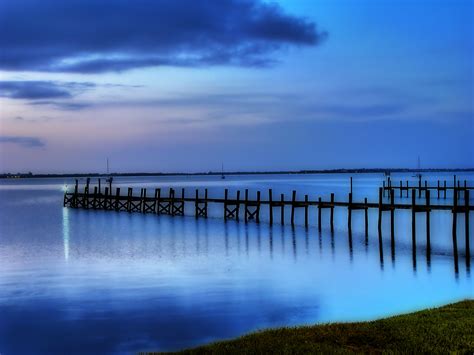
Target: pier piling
306	211
428	230
455	220
466	227
380	212
349	212
366	218
392	220
413	219
293	200
319	213
332	212
270	206
282	211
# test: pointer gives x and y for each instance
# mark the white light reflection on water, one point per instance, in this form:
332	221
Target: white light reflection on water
66	233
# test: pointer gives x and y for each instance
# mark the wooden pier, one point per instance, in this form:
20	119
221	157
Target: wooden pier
422	187
173	204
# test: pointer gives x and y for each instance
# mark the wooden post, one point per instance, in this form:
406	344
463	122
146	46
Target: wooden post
157	198
349	213
99	187
332	212
85	198
205	203
94	198
143	202
408	189
389	186
246	201
110	204
117	198
171	202
428	231
392	218
401	189
380	212
88	181
438	189
270	206
257	217
380	229
237	207
196	204
455	205
366	217
306	211
459	189
226	193
466	228
413	219
110	184
158	201
419	186
293	199
105	204
282	210
426	186
129	199
65	198
383	192
319	213
351	184
455	220
76	191
445	189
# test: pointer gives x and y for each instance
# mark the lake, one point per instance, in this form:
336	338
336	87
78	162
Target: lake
82	281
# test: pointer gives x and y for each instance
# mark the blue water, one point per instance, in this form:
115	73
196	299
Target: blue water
77	281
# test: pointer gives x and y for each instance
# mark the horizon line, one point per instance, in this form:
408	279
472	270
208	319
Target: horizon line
267	172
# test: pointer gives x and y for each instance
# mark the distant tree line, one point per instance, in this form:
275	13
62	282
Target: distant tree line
282	172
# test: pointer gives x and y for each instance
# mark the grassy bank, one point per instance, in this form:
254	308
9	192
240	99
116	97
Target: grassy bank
440	330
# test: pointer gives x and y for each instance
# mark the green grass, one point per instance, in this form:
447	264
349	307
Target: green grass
448	329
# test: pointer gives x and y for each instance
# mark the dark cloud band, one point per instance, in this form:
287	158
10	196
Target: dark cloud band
39	89
28	142
92	36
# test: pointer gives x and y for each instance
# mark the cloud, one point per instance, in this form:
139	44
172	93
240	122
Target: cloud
21	119
272	106
371	110
90	36
27	142
63	105
38	90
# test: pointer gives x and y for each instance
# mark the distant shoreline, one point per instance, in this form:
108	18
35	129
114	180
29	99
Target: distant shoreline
212	173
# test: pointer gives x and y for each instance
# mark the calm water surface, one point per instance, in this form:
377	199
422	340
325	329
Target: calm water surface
76	281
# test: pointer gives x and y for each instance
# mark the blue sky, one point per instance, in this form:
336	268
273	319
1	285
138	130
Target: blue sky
258	85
